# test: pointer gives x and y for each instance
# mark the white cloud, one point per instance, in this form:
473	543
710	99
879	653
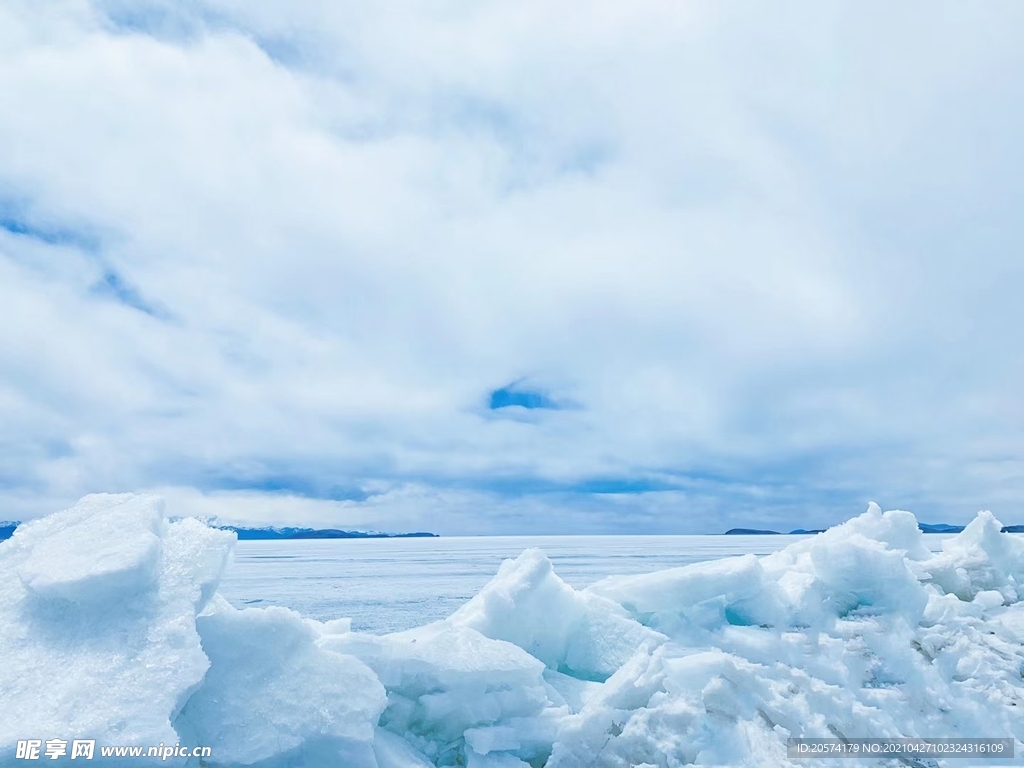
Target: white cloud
775	249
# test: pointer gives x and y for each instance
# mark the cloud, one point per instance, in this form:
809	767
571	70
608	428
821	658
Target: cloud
285	255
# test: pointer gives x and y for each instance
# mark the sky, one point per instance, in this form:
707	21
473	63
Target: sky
513	268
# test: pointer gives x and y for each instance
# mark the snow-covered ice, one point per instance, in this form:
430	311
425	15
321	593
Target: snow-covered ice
111	628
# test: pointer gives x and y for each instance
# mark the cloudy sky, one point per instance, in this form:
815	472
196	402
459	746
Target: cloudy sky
520	267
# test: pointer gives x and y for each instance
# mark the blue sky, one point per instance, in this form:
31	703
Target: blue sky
535	267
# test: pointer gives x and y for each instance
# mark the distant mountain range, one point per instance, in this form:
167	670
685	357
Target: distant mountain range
271	533
925	528
251	534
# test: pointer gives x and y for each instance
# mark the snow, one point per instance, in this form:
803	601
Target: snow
111	628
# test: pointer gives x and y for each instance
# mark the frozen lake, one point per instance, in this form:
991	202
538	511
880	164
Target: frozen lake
713	666
386	585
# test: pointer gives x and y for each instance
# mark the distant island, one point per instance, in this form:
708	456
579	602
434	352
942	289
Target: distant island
925	528
253	534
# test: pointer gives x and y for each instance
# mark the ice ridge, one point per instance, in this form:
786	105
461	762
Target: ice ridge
111	629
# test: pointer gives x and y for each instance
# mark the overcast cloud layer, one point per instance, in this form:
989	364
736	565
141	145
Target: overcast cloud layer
530	267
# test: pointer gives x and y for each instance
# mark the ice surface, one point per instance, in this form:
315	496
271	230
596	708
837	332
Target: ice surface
110	628
735	590
88	652
89	557
579	633
271	688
